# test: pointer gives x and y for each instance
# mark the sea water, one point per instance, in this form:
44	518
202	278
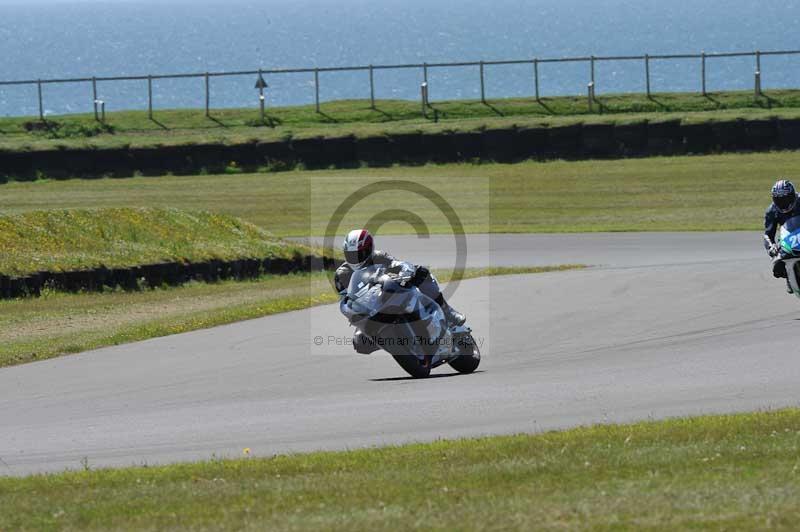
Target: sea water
41	39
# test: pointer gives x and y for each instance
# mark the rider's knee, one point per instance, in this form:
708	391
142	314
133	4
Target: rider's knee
364	344
430	287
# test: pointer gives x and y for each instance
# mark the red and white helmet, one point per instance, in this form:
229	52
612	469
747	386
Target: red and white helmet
358	247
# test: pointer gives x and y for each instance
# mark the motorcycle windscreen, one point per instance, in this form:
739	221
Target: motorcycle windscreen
790	236
360	279
364	296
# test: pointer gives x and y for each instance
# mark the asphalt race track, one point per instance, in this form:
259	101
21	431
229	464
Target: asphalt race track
664	325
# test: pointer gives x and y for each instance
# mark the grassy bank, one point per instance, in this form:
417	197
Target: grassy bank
715	472
57	323
356	117
720	192
68	240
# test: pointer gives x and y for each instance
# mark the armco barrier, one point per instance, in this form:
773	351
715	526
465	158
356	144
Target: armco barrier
729	136
505	145
631	140
310	152
789	134
761	134
339	151
698	138
598	140
272	154
565	142
531	142
664	138
375	151
154	275
467	146
440	148
502	144
409	148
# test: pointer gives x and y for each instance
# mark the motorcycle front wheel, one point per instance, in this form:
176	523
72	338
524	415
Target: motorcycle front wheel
413	366
470	357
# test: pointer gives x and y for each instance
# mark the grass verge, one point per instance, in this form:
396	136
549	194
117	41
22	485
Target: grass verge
70	240
356	117
713	472
715	192
57	323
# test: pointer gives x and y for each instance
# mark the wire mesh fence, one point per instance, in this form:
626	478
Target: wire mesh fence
96	88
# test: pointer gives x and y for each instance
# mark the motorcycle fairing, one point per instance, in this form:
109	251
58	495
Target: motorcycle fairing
394	312
790	237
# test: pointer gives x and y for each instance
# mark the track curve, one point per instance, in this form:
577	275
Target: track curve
666	324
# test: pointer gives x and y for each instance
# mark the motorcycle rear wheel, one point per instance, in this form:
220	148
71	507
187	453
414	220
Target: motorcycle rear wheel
413	366
470	358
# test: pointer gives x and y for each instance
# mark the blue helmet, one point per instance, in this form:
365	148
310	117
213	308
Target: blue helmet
784	196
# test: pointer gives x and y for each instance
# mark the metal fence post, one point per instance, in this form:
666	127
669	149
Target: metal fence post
758	74
94	98
424	98
41	102
647	73
536	76
208	96
316	88
483	85
150	97
261	98
591	64
371	87
425	79
703	62
590	95
757	85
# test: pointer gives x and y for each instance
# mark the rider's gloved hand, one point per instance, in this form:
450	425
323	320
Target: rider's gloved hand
773	250
420	275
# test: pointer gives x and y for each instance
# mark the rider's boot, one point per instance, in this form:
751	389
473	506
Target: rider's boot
453	316
779	270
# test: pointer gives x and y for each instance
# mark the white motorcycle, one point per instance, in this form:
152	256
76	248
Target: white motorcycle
397	317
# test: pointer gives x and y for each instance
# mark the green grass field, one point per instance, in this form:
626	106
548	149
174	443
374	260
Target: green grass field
58	323
737	472
79	239
718	192
356	117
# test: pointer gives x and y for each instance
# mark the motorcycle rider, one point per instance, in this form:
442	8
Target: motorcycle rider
784	206
359	251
